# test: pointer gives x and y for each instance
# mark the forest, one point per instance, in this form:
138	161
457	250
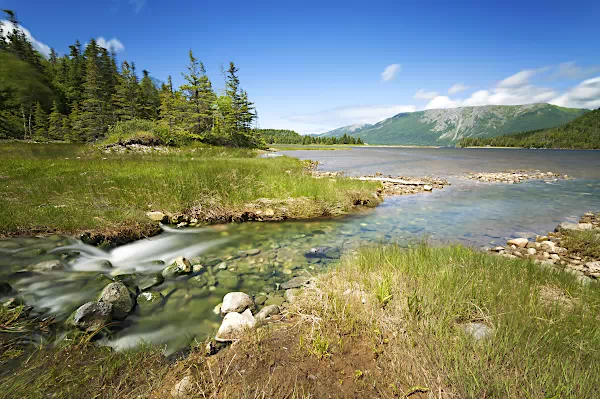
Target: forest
278	136
583	133
86	96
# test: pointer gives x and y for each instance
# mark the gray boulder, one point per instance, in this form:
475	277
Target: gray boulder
296	282
323	252
118	295
179	267
267	312
236	302
92	316
234	325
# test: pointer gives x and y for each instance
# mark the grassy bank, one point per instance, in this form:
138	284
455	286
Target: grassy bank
388	322
73	188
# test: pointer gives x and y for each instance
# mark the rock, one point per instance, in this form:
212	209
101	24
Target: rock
179	267
323	252
259	300
290	295
427	187
234	324
199	281
118	295
498	249
253	252
222	266
236	302
184	389
147	300
593	266
267	312
567	226
555	257
478	331
227	280
296	282
276	300
5	288
585	226
157	217
519	242
150	281
92	316
46	266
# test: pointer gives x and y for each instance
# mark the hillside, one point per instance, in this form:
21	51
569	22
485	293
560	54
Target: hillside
583	132
340	131
449	126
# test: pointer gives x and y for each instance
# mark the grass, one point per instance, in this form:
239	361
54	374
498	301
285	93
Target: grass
585	243
387	322
73	188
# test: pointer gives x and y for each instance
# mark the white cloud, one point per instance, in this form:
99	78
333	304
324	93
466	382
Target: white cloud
9	27
422	94
113	44
351	115
585	95
457	88
137	4
520	78
570	70
390	72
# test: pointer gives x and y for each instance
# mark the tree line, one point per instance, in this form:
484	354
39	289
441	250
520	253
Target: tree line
279	136
582	132
82	95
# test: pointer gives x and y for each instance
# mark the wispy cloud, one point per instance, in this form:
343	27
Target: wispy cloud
457	88
585	95
521	78
422	94
113	44
137	4
390	72
9	27
570	70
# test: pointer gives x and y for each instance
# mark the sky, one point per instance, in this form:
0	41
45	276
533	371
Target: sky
313	66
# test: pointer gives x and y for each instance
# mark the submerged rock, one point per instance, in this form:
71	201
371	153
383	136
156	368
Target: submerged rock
148	300
179	267
323	252
234	325
46	266
5	288
92	316
118	295
144	283
296	282
236	302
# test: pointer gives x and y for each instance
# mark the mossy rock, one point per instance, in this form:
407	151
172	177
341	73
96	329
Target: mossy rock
149	300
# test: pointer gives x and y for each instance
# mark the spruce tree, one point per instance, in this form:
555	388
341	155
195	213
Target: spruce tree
75	123
125	99
149	98
93	122
197	117
40	119
55	127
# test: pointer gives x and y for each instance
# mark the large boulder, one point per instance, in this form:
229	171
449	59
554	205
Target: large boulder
519	242
179	267
323	252
236	302
234	325
118	295
92	316
566	226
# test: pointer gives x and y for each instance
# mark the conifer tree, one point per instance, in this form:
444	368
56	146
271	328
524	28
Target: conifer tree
167	106
75	123
55	128
125	98
40	119
93	106
149	98
197	116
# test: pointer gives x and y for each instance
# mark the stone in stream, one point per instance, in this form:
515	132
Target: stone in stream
179	267
253	252
267	312
148	300
236	302
157	217
5	288
519	242
146	282
199	281
567	226
296	282
92	316
46	266
275	300
323	252
234	325
227	280
118	295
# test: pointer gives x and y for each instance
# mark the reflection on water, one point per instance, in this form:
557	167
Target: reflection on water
471	213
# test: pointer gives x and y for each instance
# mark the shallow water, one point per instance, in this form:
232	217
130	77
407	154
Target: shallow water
467	212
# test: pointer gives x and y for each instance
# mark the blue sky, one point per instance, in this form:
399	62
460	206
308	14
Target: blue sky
314	66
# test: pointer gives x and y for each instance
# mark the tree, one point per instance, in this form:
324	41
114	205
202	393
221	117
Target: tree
197	117
125	98
40	122
55	128
92	118
149	98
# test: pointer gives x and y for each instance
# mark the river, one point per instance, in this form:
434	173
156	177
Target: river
467	212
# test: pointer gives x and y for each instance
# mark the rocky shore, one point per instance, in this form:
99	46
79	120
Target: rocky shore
561	248
513	176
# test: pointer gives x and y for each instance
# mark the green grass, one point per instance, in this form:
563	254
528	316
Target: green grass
70	188
585	243
546	336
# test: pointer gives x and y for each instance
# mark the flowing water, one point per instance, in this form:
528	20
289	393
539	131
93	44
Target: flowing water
467	212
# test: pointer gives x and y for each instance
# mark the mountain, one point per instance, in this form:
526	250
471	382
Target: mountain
449	126
340	131
582	132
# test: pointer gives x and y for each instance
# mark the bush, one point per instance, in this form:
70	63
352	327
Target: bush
138	131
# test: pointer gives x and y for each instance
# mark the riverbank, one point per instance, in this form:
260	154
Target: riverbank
371	327
105	196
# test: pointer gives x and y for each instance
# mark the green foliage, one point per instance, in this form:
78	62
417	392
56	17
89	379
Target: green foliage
585	243
138	131
40	118
583	132
277	136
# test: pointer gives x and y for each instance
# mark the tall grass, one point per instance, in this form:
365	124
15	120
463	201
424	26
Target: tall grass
545	335
74	187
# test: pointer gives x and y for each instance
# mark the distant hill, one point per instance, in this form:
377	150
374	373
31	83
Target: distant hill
582	132
449	126
340	131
